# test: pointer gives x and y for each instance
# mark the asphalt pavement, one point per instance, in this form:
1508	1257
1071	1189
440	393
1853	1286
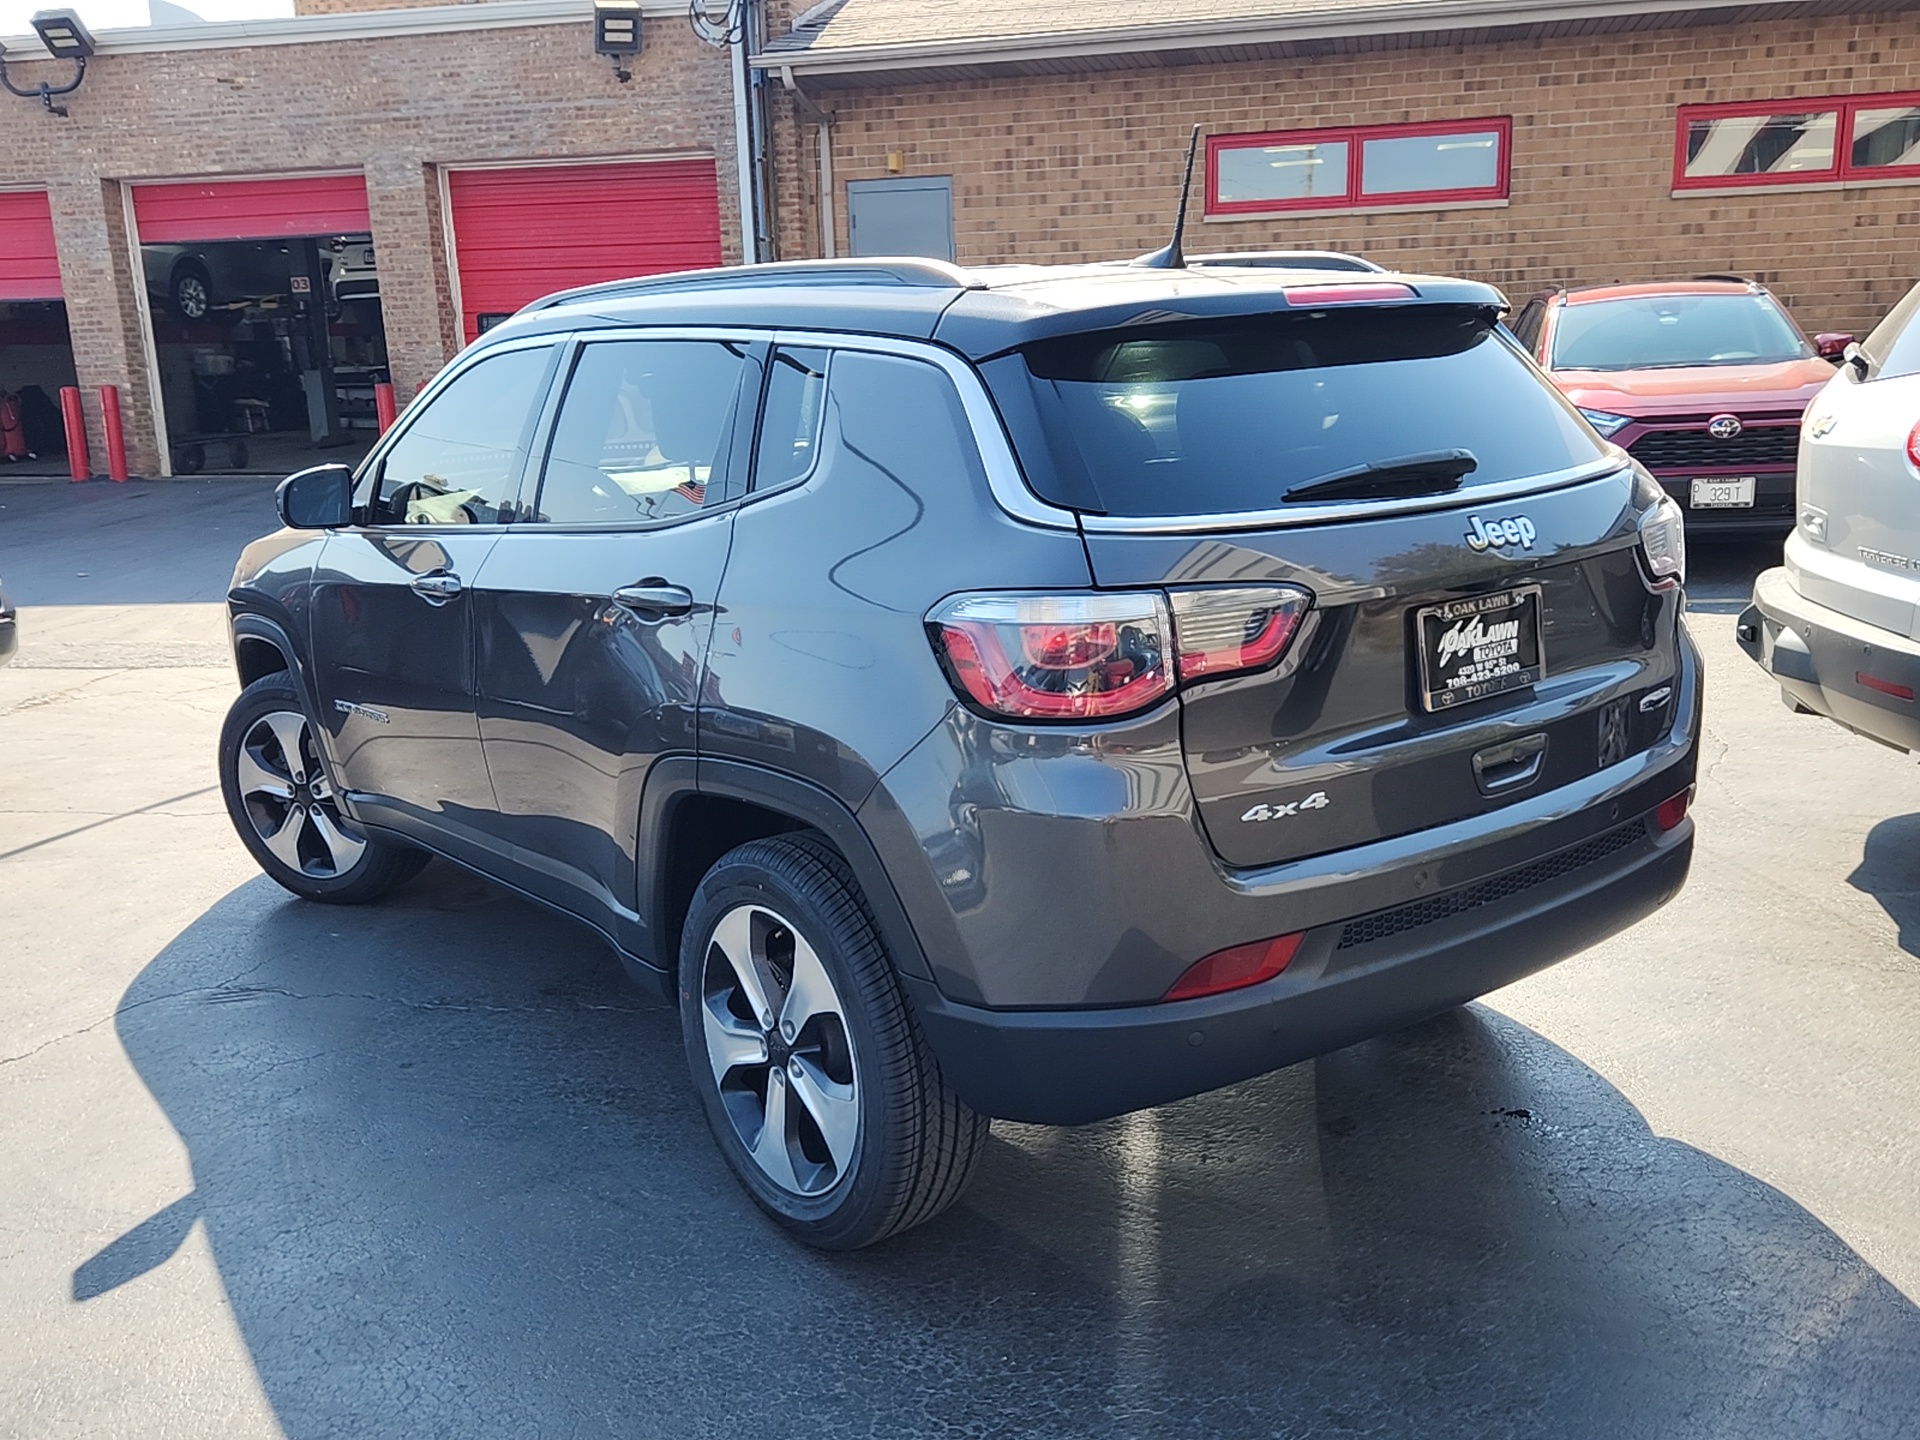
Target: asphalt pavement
432	1167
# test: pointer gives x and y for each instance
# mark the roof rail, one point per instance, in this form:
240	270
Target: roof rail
1287	260
1730	279
927	274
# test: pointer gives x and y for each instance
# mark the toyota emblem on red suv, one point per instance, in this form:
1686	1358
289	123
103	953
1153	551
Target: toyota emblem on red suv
1724	427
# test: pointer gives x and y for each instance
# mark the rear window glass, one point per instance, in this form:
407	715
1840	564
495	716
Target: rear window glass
1222	417
1893	349
1666	332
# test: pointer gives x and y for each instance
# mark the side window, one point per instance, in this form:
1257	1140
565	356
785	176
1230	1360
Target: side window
1526	327
790	420
642	430
459	458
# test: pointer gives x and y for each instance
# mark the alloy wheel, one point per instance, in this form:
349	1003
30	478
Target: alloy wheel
777	1040
190	296
289	801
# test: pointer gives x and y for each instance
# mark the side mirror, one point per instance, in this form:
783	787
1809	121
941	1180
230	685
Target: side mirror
316	499
1856	357
1832	345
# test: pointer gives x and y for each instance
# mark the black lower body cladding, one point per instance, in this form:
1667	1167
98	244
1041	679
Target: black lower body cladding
1064	1024
1074	1067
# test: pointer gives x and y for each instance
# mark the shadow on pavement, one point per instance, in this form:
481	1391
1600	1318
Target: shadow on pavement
1889	871
457	1184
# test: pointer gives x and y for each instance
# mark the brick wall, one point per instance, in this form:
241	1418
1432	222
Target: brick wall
395	108
1086	166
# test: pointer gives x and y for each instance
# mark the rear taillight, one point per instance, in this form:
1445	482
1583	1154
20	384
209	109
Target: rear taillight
1668	814
1237	968
1913	447
1077	657
1217	632
1056	657
1663	543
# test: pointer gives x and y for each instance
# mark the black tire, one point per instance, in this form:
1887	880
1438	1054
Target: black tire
189	459
915	1144
336	861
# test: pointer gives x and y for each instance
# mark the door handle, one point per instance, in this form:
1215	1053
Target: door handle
1509	766
655	601
437	589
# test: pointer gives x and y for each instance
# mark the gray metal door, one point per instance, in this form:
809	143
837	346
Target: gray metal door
902	217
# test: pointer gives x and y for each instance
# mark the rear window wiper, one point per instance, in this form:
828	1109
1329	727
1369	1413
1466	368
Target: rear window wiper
1433	473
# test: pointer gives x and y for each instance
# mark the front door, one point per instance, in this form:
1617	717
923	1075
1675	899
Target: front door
594	613
392	620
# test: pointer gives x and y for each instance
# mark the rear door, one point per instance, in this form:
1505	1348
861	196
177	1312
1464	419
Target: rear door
594	611
392	619
1480	630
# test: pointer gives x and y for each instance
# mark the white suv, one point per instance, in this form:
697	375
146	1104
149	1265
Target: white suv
1838	625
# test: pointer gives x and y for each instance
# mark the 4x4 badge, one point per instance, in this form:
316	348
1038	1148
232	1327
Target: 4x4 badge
1316	801
1498	534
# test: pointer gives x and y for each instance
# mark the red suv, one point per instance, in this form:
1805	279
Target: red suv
1702	381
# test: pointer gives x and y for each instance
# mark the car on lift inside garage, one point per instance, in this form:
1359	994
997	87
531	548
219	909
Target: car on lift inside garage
194	281
1704	382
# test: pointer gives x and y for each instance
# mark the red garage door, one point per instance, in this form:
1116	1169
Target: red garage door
29	267
521	234
205	210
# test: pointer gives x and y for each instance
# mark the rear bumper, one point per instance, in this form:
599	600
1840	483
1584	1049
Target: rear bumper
1349	982
1819	656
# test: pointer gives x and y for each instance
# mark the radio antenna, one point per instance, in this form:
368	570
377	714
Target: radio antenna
1172	257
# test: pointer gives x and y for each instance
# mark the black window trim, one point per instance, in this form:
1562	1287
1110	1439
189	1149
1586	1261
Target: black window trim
753	488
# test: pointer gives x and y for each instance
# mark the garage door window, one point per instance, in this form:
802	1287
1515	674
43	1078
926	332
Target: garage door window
460	457
642	432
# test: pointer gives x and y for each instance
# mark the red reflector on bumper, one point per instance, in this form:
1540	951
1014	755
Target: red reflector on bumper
1670	812
1885	687
1234	969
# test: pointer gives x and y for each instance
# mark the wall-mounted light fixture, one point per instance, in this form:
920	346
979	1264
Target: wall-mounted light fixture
616	32
66	39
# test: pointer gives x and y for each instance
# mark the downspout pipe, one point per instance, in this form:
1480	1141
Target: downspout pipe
748	181
829	244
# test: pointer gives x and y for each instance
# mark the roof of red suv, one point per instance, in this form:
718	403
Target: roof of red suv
1588	293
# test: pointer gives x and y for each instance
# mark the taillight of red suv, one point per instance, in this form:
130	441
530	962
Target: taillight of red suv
1080	656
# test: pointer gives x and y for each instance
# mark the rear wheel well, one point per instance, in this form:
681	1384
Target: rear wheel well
699	831
256	657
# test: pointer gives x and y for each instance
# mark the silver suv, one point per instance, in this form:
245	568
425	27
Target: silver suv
1836	624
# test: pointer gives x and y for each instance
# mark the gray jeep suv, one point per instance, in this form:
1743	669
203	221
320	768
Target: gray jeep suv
1037	694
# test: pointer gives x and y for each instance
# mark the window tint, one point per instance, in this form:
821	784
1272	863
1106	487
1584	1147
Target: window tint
1893	349
790	419
641	431
1651	332
1220	417
460	456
